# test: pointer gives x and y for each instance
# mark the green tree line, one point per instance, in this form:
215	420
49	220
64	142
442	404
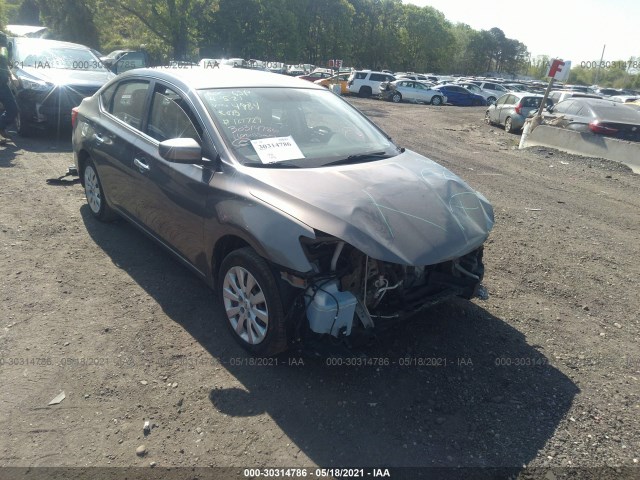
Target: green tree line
363	33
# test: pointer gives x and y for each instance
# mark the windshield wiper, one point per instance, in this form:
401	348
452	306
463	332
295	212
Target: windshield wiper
271	165
362	157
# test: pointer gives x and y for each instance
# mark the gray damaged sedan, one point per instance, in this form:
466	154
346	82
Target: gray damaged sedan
305	218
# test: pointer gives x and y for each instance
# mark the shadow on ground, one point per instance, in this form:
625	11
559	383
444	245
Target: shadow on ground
42	141
470	405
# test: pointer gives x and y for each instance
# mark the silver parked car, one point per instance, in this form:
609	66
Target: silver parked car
492	87
601	116
411	91
512	109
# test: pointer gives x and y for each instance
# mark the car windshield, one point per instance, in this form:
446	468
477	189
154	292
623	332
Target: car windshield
41	55
294	127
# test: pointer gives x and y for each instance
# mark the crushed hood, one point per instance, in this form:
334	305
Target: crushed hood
406	209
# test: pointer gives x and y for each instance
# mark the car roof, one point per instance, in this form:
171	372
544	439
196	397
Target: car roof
604	108
602	102
524	94
197	77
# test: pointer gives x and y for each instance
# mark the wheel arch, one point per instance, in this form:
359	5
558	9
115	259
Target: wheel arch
365	91
277	257
223	247
82	158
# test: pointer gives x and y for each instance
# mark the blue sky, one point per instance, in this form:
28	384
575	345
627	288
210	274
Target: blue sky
568	29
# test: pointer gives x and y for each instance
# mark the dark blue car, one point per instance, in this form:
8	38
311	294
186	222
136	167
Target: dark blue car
457	95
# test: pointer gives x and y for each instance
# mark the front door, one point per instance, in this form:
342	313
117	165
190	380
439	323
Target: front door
172	200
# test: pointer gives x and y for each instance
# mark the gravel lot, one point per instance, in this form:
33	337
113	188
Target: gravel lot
545	373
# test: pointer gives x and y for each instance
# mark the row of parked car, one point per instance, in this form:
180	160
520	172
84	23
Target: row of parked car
429	88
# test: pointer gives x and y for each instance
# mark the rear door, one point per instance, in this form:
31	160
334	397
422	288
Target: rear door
114	139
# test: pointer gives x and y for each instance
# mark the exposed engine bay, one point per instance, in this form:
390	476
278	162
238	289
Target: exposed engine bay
349	290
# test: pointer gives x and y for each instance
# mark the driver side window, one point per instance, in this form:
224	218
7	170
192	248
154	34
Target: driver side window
171	117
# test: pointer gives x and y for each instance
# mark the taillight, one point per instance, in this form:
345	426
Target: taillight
518	108
74	116
597	127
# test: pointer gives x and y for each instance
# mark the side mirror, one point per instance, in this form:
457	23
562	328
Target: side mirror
181	150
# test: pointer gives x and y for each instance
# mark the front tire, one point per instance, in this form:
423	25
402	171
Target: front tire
436	100
487	118
96	198
252	303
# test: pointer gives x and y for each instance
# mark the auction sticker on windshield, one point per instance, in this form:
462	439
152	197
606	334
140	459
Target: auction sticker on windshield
277	149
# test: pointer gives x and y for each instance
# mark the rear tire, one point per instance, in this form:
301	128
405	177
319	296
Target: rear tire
251	299
491	100
508	126
365	92
96	198
396	98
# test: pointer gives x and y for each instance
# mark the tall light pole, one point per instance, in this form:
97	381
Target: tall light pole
599	65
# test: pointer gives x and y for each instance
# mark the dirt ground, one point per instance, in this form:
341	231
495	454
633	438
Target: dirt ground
545	373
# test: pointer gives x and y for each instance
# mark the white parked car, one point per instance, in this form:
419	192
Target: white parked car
488	95
495	89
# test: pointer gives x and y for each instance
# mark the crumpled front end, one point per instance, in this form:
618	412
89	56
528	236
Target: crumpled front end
351	292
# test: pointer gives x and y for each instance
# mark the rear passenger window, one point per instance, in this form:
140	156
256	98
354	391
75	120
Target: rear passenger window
361	75
531	102
129	102
377	77
106	96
